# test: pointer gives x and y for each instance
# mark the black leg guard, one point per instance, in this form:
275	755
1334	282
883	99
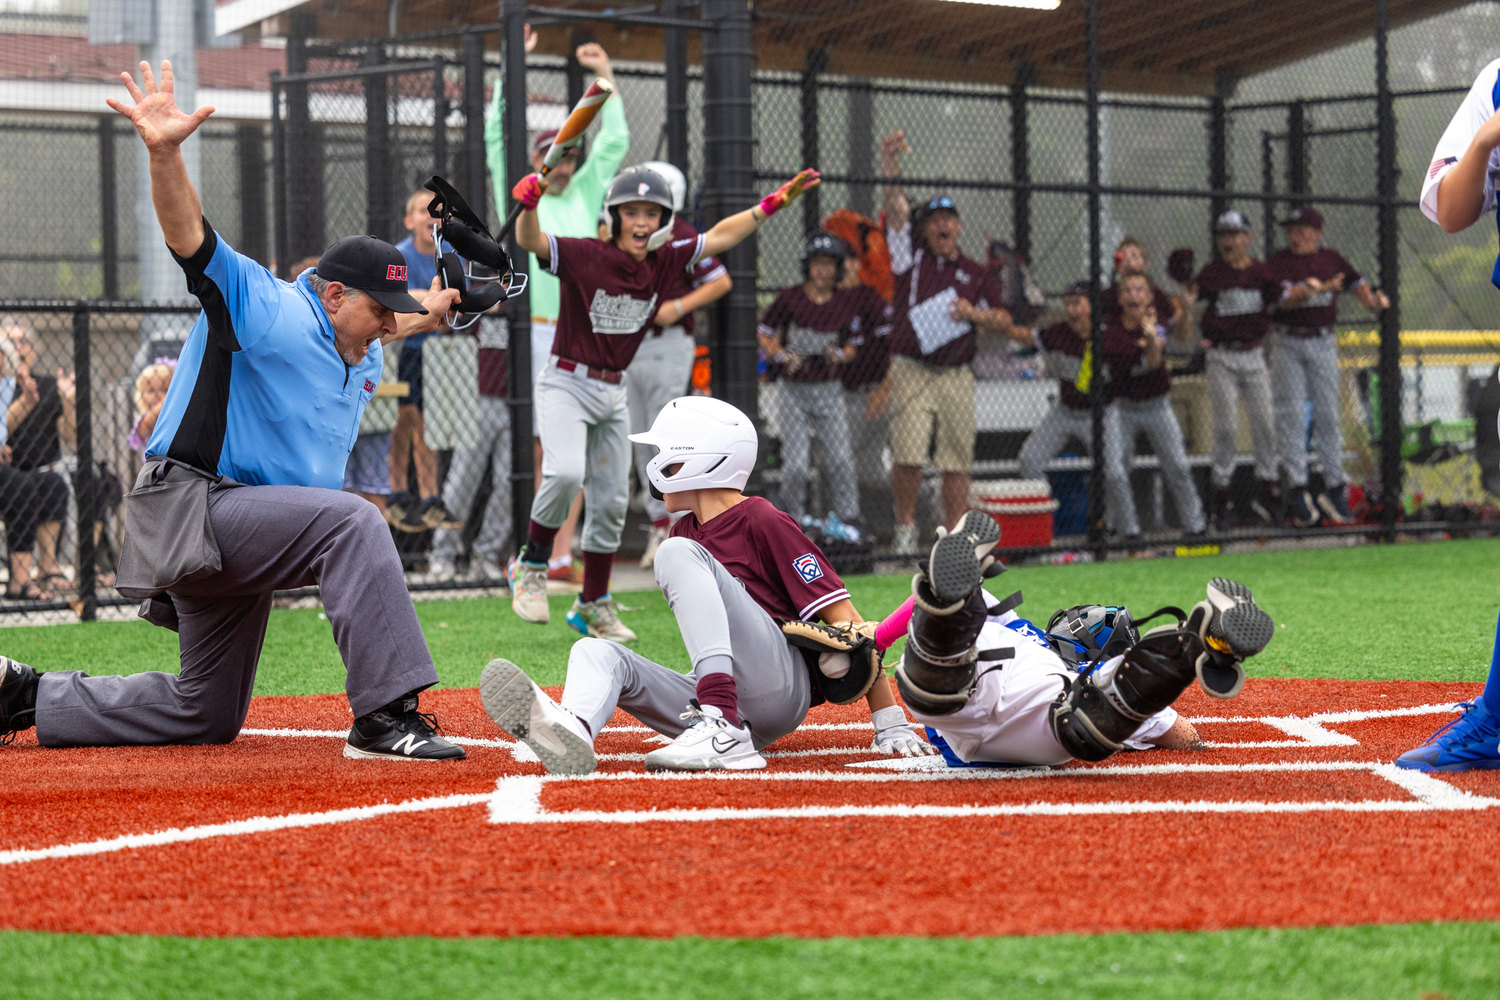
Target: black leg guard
1097	712
937	667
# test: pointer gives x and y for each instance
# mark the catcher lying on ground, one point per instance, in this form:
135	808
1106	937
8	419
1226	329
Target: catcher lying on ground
745	584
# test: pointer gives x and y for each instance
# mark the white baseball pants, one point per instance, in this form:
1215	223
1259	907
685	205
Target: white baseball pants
659	373
1304	368
1231	374
585	430
1063	422
1156	418
816	409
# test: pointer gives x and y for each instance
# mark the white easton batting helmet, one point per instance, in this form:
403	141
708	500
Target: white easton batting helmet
640	184
675	180
714	442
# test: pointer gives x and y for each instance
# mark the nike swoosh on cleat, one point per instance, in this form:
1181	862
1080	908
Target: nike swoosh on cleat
730	744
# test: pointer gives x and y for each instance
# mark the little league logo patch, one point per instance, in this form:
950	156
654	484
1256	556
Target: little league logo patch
395	272
807	567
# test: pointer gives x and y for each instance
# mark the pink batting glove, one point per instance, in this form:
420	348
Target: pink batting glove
894	626
529	190
789	192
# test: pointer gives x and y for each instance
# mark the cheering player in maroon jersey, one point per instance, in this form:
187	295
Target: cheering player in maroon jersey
734	571
869	331
1241	292
610	292
1305	362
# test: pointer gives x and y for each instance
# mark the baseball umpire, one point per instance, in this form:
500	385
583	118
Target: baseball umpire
239	496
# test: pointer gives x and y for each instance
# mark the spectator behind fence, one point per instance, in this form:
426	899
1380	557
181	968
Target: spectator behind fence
1135	351
33	500
941	298
1240	292
424	509
1067	356
1305	363
150	392
570	207
804	333
869	428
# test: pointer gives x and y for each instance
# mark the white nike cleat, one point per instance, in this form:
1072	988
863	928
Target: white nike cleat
653	542
523	710
709	744
528	591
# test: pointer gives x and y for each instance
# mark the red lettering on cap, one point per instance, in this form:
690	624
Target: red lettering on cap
395	272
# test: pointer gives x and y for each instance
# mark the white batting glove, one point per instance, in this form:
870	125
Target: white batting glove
895	736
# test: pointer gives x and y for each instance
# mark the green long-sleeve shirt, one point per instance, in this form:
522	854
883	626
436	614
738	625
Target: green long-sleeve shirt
575	212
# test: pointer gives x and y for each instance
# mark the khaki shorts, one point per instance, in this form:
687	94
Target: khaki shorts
932	407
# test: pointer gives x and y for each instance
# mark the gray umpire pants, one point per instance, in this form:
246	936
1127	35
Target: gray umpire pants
1232	376
1156	418
270	538
717	618
466	472
659	373
1063	422
585	427
867	438
1302	369
816	409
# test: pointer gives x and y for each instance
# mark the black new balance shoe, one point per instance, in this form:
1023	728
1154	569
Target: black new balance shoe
399	732
18	684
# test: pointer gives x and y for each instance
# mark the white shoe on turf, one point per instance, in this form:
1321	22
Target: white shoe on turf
709	744
653	542
904	541
528	591
523	710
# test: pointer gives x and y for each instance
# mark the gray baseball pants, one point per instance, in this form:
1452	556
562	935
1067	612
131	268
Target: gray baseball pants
1155	417
465	473
1231	374
585	427
270	538
717	618
1304	368
659	373
1063	422
867	438
816	408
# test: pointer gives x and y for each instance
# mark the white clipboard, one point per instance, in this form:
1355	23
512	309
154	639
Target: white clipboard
932	324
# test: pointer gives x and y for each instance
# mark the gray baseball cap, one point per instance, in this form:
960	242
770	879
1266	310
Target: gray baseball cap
1232	221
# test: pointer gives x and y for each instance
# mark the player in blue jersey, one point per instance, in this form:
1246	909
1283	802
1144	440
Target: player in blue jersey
1459	187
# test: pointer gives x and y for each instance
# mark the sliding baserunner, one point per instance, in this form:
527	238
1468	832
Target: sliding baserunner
745	584
995	689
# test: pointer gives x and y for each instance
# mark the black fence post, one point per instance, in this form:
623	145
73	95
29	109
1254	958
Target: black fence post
1296	149
676	59
279	206
573	72
862	146
440	121
730	187
1097	386
250	150
1267	186
1390	276
1020	160
517	165
817	60
109	219
473	56
83	404
378	209
304	167
1218	153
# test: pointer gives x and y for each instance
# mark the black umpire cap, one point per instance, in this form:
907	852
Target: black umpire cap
372	266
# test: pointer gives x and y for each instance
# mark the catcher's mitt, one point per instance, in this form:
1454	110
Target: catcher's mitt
848	660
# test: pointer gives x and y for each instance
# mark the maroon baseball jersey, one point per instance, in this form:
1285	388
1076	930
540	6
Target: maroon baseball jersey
807	328
493	344
1240	301
931	276
869	334
608	298
701	273
1129	377
1060	339
1324	264
762	547
1160	299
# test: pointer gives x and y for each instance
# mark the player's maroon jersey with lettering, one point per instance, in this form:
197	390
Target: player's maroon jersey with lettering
762	547
1324	264
807	329
608	298
1240	301
1060	339
1110	298
933	275
869	335
706	270
1129	376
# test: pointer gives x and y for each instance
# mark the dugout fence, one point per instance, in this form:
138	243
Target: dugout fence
1060	177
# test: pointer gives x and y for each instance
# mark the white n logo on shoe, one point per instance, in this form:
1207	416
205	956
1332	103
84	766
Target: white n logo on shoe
410	742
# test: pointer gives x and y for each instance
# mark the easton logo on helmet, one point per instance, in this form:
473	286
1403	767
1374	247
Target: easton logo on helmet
807	567
395	272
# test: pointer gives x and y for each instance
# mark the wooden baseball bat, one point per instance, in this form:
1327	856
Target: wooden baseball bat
570	135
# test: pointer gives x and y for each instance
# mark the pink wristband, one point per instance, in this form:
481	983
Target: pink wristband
894	626
771	204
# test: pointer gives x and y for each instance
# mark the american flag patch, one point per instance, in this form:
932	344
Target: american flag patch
1439	165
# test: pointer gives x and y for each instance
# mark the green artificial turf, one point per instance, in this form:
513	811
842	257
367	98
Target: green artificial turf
1399	962
1421	612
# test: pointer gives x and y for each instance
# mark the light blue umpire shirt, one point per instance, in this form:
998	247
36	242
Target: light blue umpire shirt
260	393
